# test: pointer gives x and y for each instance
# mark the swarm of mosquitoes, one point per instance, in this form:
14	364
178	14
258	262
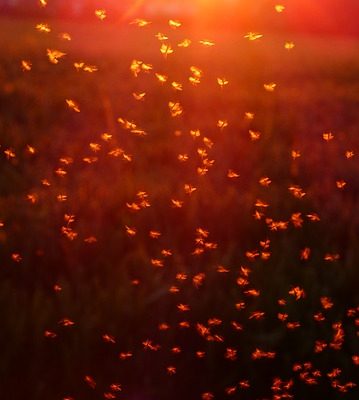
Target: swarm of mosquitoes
305	372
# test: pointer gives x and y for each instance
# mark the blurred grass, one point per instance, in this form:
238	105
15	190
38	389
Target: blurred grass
318	91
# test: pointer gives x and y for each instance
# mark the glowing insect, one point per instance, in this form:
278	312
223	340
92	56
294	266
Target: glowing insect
340	184
222	82
196	72
207	43
26	65
55	55
253	36
328	136
289	45
90	381
161	78
166	49
139	96
141	23
65	36
177	86
45	28
101	14
185	43
279	8
222	123
177	203
161	36
254	135
232	174
189	189
73	105
249	115
175	108
270	87
174	24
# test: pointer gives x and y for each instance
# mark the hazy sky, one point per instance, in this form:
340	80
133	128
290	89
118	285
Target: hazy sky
319	16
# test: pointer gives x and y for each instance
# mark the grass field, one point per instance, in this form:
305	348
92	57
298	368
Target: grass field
67	194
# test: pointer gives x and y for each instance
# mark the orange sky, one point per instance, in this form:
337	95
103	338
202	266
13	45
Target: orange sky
307	16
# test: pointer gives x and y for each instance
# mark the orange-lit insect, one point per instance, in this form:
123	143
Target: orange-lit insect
270	87
253	36
43	28
65	36
174	24
207	43
175	109
26	65
289	45
279	8
141	23
101	14
185	43
166	49
55	55
90	381
73	105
